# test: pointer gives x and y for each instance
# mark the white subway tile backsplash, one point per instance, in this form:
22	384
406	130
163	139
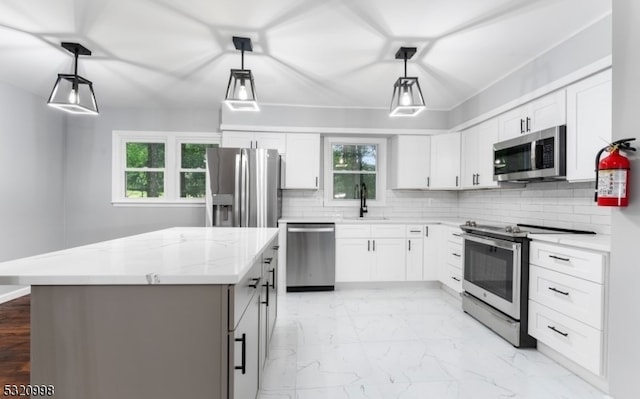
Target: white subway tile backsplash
556	204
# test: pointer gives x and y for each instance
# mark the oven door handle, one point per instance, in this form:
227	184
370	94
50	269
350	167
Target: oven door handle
494	242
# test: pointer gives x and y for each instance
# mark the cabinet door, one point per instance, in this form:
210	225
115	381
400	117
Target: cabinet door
243	347
302	161
431	247
273	141
353	259
548	111
415	250
237	140
512	123
445	161
588	124
487	136
388	259
469	162
410	162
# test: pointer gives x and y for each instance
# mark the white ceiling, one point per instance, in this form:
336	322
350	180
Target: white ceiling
327	53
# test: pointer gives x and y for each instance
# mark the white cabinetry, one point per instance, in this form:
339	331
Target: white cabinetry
588	124
415	252
450	258
276	141
410	162
445	161
543	113
567	302
302	161
477	155
430	252
370	252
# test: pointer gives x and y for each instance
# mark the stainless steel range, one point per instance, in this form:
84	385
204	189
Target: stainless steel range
496	277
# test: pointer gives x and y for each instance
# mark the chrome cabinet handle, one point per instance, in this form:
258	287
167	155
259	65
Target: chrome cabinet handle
554	289
374	244
409	245
455	254
455	278
521	126
426	231
268	260
368	245
266	301
528	124
554	329
559	258
243	365
428	181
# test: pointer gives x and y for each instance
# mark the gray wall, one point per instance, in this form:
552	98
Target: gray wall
586	47
624	317
339	118
90	216
31	176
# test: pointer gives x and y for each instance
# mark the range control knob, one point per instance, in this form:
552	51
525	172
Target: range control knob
508	229
470	223
516	229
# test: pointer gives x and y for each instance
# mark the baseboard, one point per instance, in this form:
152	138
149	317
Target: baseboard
9	296
387	284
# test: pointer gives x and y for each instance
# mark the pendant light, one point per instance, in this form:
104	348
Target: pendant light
73	93
241	91
407	97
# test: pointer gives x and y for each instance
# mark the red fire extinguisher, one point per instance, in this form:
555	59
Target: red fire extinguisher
612	175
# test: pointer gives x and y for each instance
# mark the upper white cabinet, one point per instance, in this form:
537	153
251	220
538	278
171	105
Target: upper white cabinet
410	162
445	161
477	155
276	141
543	113
588	124
302	161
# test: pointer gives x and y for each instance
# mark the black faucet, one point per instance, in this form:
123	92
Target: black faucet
363	200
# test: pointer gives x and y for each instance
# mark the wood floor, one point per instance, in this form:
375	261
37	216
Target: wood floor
14	341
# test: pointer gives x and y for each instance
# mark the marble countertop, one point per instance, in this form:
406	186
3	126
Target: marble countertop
596	242
189	255
372	220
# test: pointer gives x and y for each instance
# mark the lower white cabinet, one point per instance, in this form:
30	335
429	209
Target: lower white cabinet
450	258
415	253
370	252
567	302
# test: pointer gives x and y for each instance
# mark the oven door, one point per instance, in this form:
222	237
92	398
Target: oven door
492	272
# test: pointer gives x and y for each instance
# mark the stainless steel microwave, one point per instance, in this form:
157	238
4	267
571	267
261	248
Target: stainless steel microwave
534	156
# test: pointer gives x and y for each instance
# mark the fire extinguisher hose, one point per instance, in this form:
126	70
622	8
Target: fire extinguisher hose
622	145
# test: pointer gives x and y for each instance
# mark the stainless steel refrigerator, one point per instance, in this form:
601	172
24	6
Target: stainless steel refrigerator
243	187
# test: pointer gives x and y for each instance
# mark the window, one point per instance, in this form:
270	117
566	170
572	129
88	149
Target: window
353	166
160	168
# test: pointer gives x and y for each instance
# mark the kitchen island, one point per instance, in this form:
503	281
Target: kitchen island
182	312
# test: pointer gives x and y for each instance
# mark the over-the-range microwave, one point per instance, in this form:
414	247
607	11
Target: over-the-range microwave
533	156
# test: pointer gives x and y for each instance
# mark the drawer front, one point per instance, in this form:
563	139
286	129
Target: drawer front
240	294
388	230
576	298
454	278
575	262
454	254
577	341
414	231
353	230
454	235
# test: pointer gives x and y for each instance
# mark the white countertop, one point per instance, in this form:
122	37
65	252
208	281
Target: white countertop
189	255
595	242
371	219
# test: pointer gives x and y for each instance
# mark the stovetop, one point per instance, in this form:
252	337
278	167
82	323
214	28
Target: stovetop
517	230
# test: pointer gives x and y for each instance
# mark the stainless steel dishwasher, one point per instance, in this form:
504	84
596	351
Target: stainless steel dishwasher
311	256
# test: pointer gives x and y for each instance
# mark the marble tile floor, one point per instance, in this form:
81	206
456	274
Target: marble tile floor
401	343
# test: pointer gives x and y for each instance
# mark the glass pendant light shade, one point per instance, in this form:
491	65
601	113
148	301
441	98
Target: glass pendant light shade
407	99
73	93
241	91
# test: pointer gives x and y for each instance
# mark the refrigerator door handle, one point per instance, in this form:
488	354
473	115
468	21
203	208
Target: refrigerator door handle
237	191
244	194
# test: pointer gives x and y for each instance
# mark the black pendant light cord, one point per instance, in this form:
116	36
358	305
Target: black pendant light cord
75	73
405	64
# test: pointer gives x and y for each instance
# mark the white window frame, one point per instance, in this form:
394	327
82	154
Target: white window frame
381	170
173	142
